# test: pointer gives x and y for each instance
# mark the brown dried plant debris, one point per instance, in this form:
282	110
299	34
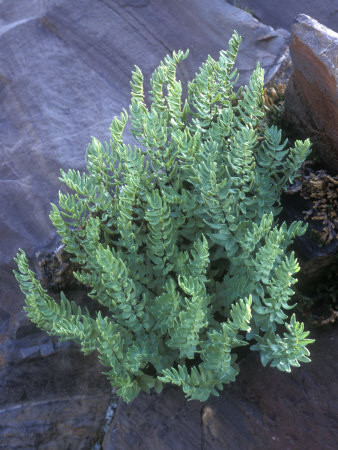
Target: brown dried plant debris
273	98
273	95
331	319
55	269
322	190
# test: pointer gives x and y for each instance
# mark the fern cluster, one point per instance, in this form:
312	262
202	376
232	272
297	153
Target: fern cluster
177	238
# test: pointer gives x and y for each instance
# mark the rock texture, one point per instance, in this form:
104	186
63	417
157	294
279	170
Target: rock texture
311	98
51	395
64	73
265	408
281	14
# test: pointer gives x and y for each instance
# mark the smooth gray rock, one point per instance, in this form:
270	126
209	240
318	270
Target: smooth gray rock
281	14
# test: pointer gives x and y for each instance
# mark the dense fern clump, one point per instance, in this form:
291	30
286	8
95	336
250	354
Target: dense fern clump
177	238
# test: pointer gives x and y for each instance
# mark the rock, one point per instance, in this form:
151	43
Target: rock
51	395
64	74
311	97
53	424
264	408
281	14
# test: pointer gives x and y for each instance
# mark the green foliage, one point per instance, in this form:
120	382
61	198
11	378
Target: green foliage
177	238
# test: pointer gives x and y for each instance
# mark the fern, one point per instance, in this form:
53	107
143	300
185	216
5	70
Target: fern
177	238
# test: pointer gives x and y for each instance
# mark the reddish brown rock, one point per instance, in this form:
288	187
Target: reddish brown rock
311	99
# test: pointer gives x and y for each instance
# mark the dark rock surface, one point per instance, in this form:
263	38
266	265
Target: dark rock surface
51	395
311	98
281	14
265	408
64	73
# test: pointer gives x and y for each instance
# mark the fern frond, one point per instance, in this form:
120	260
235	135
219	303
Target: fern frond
185	332
286	352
